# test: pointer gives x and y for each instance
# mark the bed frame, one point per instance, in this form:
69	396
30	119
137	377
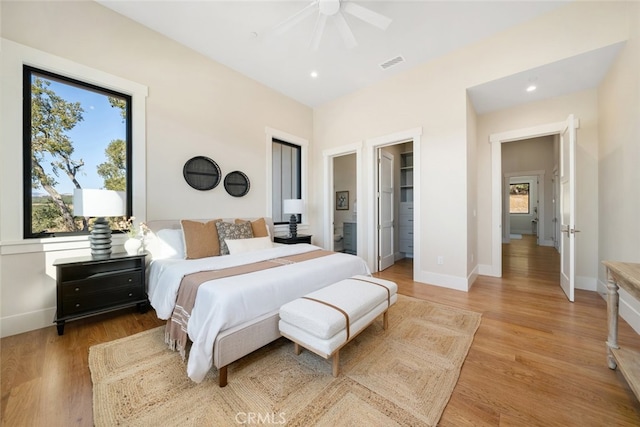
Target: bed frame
239	341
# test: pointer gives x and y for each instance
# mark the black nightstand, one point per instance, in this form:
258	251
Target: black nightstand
300	238
88	286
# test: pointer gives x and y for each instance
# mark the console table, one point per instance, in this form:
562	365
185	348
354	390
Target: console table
626	276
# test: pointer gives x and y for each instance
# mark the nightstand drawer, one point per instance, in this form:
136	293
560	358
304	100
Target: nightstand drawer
86	286
74	304
101	282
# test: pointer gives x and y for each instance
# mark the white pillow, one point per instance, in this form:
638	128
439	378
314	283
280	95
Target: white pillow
238	246
171	244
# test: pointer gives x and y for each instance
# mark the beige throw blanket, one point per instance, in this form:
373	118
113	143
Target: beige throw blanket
176	329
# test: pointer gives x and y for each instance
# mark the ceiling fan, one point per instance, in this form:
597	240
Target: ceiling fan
334	9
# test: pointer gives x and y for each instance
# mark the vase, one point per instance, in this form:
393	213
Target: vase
132	246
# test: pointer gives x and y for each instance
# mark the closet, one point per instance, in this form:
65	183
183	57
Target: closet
405	214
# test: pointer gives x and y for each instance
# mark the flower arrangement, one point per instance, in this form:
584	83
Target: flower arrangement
126	225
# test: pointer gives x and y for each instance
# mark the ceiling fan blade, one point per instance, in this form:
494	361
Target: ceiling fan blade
367	15
343	28
317	31
285	25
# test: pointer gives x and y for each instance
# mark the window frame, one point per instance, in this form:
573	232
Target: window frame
27	75
298	153
528	184
14	56
270	135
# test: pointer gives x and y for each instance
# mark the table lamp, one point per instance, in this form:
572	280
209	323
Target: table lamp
91	203
293	207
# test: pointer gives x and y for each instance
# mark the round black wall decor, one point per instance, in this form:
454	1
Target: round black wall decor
236	183
201	173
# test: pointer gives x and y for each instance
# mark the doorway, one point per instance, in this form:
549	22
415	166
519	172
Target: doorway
345	220
564	133
398	142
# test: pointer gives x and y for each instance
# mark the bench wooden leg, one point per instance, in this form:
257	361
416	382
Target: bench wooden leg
336	363
222	376
297	349
385	320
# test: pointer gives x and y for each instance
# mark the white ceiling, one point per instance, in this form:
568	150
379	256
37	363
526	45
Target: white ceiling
239	34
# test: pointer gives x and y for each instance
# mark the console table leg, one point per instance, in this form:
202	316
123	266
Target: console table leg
60	326
613	300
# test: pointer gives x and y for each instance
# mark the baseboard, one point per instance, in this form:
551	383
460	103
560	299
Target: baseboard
444	281
25	322
547	242
586	283
487	270
471	278
629	307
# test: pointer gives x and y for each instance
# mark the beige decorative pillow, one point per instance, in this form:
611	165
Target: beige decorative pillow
200	238
228	230
248	245
258	227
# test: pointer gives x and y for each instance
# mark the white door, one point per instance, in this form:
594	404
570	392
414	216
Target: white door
568	208
385	210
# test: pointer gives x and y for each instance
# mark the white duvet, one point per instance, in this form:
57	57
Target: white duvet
230	301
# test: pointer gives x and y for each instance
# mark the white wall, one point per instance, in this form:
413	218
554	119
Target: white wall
195	107
433	97
618	158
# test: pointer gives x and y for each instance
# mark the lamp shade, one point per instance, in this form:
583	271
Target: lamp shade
293	206
99	203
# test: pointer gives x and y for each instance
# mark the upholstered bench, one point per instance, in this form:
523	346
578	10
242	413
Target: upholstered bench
325	320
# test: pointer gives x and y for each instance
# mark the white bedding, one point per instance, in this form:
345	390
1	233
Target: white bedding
228	302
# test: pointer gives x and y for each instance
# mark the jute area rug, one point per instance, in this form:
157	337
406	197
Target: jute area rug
401	376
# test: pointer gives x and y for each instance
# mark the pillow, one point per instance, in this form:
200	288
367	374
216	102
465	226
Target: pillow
171	244
200	238
228	230
238	246
258	227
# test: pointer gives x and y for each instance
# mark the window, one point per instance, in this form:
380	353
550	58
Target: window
519	198
76	135
286	177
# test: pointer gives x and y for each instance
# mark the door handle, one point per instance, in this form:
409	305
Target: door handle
567	230
573	231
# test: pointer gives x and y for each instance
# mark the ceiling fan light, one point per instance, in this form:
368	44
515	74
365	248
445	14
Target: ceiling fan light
329	7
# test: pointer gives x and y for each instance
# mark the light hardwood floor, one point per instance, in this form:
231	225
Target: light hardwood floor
536	360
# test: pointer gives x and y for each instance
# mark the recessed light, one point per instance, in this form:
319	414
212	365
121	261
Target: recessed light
314	74
531	88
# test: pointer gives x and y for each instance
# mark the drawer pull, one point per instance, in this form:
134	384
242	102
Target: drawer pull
130	294
77	305
130	279
77	289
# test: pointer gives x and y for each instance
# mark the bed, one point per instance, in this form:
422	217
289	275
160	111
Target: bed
235	315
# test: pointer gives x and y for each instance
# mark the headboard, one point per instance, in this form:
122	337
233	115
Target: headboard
160	224
157	249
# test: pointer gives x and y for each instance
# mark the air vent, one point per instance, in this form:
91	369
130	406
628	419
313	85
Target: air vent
392	62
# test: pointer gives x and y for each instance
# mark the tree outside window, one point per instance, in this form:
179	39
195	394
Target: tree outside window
76	135
519	198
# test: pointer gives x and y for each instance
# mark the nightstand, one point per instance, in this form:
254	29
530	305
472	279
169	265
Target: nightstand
86	286
300	238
